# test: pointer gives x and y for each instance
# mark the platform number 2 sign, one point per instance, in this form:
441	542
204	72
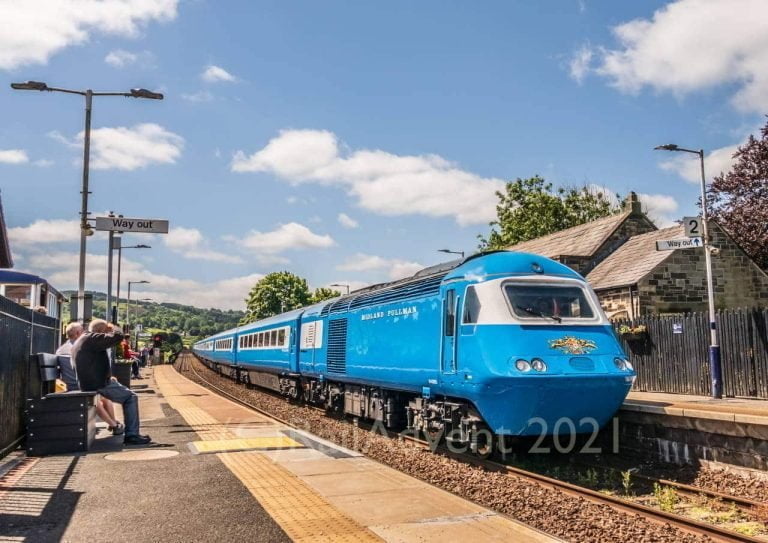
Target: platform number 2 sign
693	227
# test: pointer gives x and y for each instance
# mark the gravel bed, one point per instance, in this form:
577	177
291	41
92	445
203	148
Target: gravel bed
549	510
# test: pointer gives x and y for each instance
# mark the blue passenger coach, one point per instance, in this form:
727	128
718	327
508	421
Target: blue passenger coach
497	344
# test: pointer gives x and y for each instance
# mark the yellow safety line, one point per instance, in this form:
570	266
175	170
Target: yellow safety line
299	510
243	444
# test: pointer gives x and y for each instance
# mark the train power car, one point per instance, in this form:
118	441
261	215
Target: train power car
498	344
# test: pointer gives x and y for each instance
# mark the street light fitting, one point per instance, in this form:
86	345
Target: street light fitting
461	253
138	282
340	285
666	147
140	246
144	93
30	85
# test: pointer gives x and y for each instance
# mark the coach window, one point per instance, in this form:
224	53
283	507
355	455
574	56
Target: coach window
471	306
273	338
281	337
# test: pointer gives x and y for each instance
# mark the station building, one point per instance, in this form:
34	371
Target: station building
618	256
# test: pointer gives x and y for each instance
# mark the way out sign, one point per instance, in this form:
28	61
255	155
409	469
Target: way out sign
126	224
680	243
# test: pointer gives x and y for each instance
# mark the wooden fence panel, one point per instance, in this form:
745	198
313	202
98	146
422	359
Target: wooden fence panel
22	332
674	354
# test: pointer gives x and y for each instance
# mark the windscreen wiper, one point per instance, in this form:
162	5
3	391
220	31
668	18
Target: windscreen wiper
532	311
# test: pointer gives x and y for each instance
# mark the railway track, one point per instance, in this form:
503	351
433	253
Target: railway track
745	504
650	514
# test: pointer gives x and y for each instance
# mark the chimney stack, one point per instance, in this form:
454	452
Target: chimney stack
632	203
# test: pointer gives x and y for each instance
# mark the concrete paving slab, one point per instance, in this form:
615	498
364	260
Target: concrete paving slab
331	495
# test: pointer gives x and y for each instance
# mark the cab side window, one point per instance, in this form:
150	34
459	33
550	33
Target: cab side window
471	306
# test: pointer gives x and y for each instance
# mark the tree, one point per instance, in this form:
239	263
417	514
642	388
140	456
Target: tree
739	199
275	293
529	208
324	293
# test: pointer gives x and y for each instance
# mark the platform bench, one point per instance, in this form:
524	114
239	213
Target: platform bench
58	422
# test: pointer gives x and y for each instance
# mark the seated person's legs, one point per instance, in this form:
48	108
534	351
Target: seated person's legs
130	402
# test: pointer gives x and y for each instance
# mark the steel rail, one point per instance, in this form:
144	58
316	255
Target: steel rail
655	515
746	504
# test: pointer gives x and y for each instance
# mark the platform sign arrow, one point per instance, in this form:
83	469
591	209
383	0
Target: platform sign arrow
680	243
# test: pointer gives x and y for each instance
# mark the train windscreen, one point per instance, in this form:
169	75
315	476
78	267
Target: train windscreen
553	302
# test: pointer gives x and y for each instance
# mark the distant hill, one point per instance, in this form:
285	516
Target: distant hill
183	319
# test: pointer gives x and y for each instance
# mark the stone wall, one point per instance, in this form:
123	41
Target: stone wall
617	301
679	285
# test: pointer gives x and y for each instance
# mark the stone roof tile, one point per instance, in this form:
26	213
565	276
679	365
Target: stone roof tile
633	260
582	240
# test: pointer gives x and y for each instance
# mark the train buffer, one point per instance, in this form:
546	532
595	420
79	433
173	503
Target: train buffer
220	472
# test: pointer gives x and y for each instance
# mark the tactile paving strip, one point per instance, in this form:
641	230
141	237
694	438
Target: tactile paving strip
300	511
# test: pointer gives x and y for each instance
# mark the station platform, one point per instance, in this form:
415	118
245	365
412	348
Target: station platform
218	471
686	429
701	407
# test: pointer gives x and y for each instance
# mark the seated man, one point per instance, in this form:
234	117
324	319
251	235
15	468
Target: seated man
94	373
104	407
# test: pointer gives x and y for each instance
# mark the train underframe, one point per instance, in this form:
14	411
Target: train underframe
440	419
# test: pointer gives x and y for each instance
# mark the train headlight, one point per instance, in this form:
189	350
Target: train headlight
622	364
523	365
538	364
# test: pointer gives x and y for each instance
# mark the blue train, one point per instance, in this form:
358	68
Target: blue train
469	350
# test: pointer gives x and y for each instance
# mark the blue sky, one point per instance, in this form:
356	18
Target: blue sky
348	141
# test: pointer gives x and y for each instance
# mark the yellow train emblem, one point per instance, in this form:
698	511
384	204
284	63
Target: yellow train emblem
573	345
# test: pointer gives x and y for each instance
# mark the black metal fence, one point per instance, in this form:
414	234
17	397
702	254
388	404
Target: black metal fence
22	332
673	354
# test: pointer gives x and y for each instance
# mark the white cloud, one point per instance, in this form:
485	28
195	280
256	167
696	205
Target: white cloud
580	63
660	208
13	156
215	74
120	58
394	268
34	31
690	45
346	221
124	148
60	268
286	237
190	243
688	166
197	97
43	163
45	231
382	182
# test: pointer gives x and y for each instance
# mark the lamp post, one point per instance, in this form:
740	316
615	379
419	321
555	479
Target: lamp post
341	285
128	309
461	253
714	347
85	228
136	341
118	245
